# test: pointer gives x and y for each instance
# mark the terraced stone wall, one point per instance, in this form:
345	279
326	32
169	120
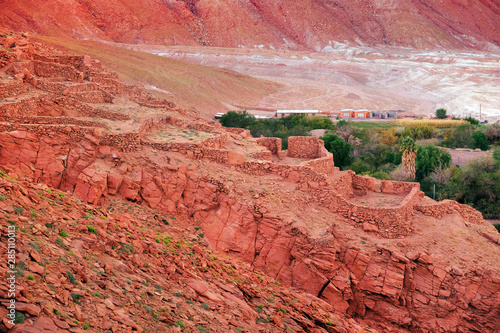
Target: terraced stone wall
13	88
52	69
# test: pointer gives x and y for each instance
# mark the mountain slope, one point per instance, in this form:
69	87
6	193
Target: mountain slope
310	24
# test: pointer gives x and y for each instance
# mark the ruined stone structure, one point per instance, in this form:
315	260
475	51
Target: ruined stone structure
93	160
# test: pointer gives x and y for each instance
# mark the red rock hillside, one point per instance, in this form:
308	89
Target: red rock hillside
300	24
133	214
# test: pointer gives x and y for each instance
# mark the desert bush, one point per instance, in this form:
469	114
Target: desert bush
398	174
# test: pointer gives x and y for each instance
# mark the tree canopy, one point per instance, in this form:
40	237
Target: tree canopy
441	113
340	149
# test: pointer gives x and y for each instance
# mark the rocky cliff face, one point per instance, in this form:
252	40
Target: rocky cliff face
301	24
378	252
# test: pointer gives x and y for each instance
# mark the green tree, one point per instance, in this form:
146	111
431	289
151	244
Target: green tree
441	113
240	119
496	155
360	167
461	137
408	147
480	140
476	184
340	149
471	120
428	159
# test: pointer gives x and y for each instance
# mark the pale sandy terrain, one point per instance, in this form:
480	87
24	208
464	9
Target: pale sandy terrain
417	82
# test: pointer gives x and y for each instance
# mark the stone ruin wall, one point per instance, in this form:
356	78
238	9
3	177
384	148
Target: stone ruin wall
343	184
56	70
92	96
389	186
323	164
442	208
12	89
24	107
240	131
124	141
154	123
262	155
22	122
30	107
362	183
272	144
305	147
49	86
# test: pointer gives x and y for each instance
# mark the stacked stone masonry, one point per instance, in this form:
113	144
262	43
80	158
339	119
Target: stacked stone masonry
442	208
12	88
272	144
16	121
52	69
305	147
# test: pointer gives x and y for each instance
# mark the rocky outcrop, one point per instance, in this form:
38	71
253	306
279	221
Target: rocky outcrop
405	289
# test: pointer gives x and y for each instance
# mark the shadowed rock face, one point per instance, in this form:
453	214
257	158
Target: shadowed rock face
282	24
371	262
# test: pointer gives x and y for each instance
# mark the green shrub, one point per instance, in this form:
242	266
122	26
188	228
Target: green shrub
480	140
35	246
202	329
18	210
92	229
63	233
76	298
86	326
19	317
471	120
71	277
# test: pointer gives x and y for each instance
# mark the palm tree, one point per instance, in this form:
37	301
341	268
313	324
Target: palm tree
408	147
